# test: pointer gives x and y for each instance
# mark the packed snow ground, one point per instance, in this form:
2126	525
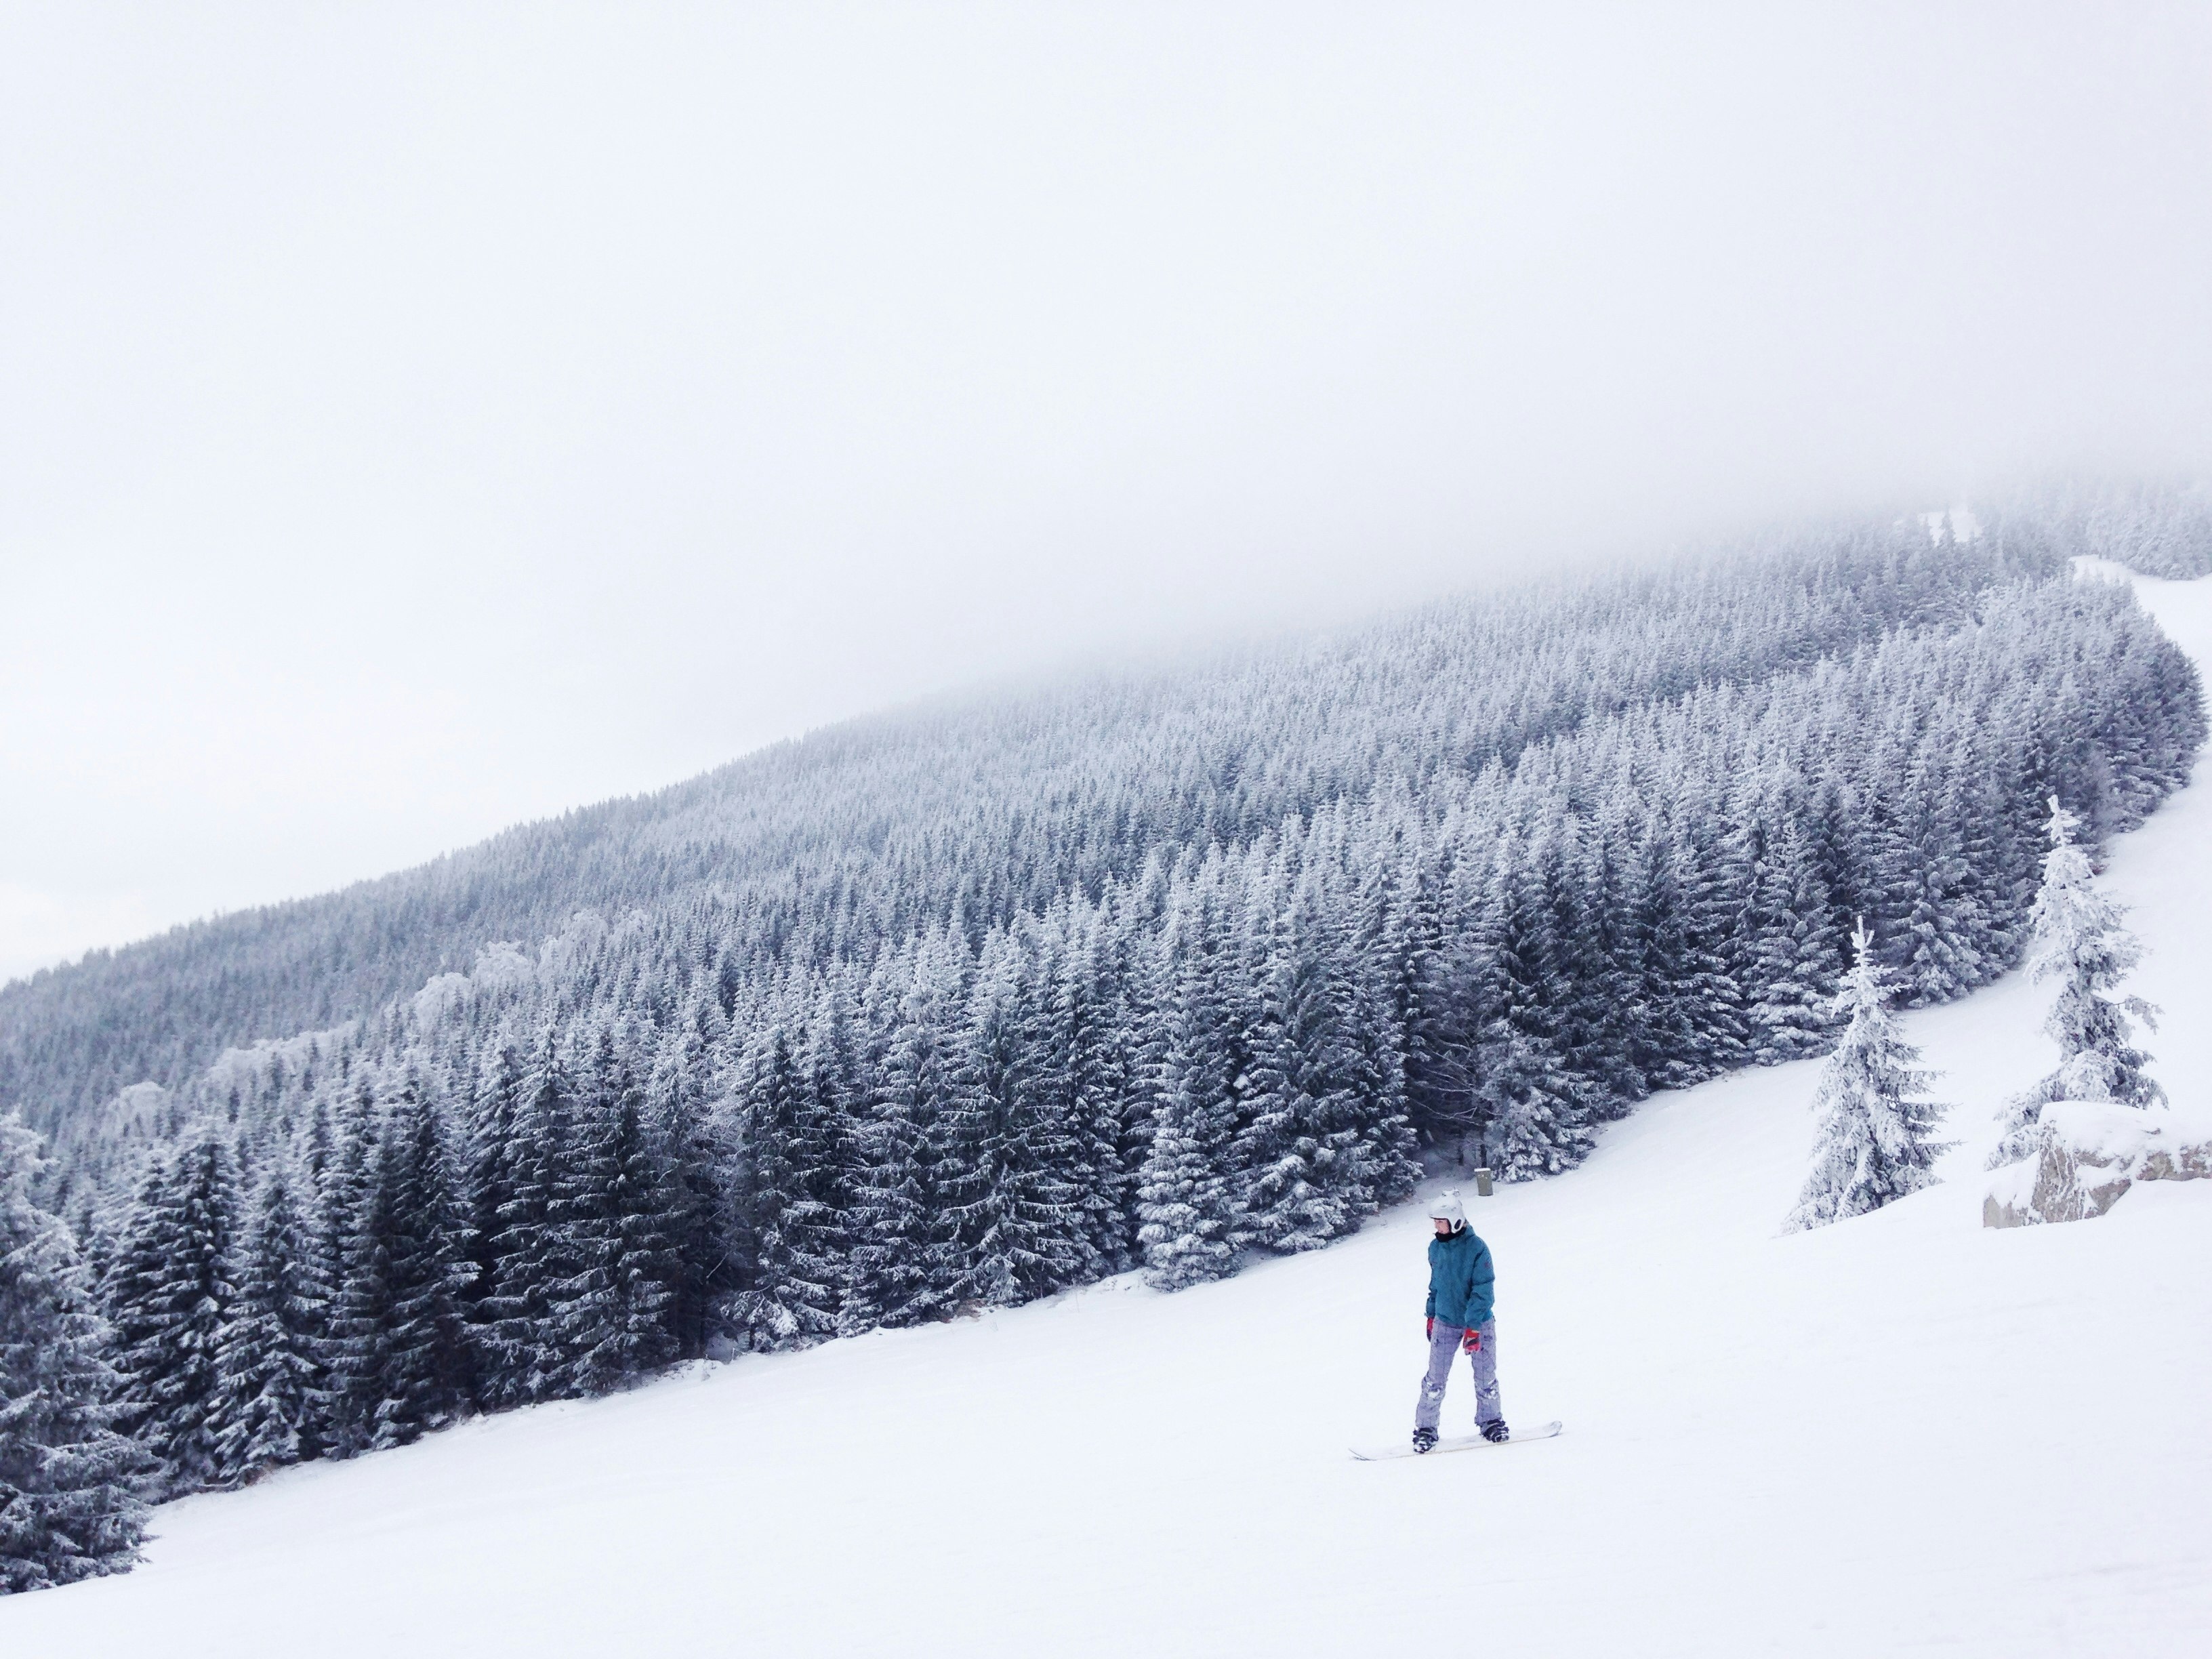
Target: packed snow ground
1904	1432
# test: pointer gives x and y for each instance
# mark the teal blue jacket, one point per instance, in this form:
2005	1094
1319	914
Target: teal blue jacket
1459	1279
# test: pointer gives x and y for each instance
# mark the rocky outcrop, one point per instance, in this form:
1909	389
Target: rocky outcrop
2086	1154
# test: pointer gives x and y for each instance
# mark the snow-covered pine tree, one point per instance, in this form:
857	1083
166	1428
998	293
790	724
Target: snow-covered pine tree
340	1145
532	1251
1353	894
1280	1202
69	1503
842	1061
1664	1046
1186	1193
1715	883
357	1220
1138	1014
1874	1137
488	1184
790	1157
1296	1151
620	1308
1008	1159
424	1377
677	1107
1540	1112
1938	916
1080	1069
892	1264
1587	889
270	1369
169	1293
1795	965
2078	939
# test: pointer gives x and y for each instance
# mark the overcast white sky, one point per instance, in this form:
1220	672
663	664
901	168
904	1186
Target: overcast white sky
416	419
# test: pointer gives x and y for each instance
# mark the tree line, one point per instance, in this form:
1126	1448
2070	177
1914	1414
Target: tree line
728	1123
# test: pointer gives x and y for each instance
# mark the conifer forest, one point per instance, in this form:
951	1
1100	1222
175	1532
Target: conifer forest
961	1007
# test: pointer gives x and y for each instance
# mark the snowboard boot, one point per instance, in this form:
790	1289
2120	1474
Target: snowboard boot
1494	1432
1425	1440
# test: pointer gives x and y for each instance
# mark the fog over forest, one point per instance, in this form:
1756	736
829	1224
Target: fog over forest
425	420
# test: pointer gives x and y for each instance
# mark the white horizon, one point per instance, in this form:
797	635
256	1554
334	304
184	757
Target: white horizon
423	423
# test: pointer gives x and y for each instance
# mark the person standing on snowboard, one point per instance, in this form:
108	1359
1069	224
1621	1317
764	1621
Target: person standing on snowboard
1460	1320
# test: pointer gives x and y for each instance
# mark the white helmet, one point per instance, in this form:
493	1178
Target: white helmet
1447	1207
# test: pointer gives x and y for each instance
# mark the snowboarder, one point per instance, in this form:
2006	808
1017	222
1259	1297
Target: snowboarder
1459	1318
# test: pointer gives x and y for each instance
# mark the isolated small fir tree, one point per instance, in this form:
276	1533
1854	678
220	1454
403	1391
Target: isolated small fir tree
69	1502
1874	1136
2078	939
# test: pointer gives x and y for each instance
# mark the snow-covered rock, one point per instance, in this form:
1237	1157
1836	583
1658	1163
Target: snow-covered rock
2087	1154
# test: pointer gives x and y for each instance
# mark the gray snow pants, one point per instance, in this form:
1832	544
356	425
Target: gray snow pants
1443	1343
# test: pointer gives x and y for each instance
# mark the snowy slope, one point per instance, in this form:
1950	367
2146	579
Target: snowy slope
1901	1432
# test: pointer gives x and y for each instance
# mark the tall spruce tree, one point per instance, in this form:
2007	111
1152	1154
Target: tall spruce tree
2079	940
893	1266
533	1257
425	1375
1794	967
169	1293
1539	1111
488	1184
1009	1158
620	1301
1874	1136
269	1367
1297	1150
685	1123
1187	1193
790	1149
68	1503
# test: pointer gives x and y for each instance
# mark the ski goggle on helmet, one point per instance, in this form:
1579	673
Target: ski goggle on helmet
1447	1207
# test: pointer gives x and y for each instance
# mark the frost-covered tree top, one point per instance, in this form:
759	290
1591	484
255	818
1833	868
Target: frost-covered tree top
2077	937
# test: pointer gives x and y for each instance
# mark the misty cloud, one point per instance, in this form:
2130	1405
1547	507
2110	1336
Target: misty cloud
420	419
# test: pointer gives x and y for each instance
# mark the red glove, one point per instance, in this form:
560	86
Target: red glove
1472	1343
1432	1327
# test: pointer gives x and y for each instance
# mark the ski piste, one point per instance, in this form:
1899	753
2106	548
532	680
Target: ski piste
1457	1443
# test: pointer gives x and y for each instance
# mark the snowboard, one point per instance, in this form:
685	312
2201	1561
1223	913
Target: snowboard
1456	1443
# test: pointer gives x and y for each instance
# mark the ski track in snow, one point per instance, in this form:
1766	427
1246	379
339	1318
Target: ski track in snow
1904	1432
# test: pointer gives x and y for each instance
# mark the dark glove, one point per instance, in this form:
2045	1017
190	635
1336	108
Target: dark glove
1431	1328
1471	1342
